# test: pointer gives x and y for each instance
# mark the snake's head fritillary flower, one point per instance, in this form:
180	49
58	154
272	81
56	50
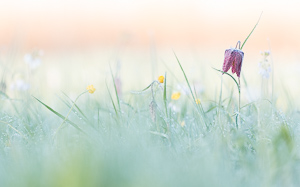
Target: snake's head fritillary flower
161	79
176	96
233	59
91	89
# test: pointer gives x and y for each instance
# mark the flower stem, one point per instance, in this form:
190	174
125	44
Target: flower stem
239	109
220	103
238	43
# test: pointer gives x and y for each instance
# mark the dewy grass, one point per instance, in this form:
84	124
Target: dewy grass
157	145
165	96
138	154
112	101
8	124
115	87
201	112
79	110
90	89
58	114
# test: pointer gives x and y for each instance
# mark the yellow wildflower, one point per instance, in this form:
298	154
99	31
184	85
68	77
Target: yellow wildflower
182	123
91	89
197	101
175	96
161	79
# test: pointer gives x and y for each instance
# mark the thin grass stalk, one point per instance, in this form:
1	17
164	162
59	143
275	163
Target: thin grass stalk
272	63
79	110
8	124
112	101
251	31
59	115
69	112
165	103
238	84
202	115
220	100
115	87
165	95
239	109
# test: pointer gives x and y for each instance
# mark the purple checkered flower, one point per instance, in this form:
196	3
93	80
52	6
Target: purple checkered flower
233	59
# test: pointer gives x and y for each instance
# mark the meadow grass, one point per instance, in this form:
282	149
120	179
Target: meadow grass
157	136
140	139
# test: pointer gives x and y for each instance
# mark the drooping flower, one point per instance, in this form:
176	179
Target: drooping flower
233	59
161	79
176	96
91	89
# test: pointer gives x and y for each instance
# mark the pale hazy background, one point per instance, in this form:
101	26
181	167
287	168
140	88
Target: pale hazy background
210	24
137	37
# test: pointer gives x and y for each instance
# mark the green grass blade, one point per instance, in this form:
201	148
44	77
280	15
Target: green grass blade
8	124
143	89
64	101
199	106
188	83
58	114
186	79
170	71
251	31
112	101
237	84
211	109
116	92
76	106
146	87
165	94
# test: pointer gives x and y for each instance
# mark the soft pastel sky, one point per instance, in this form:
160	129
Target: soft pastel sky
205	24
139	36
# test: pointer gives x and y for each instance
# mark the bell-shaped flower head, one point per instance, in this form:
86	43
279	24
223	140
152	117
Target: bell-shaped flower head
233	59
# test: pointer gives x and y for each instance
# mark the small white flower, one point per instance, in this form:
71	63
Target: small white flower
264	69
33	59
174	108
20	85
264	65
